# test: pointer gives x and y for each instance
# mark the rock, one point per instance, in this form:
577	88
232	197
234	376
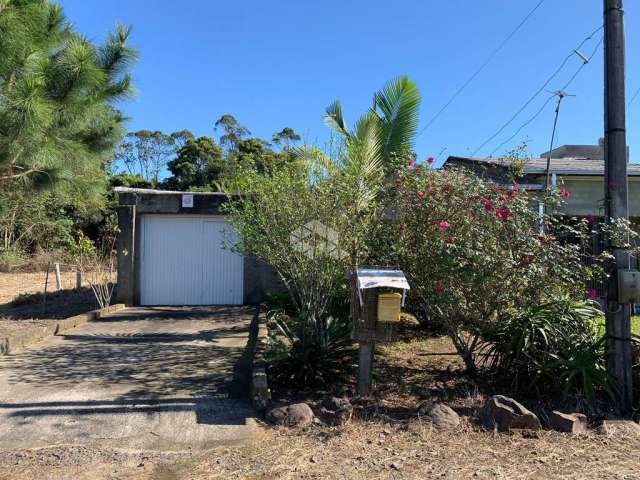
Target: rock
575	423
336	411
505	413
293	415
440	415
620	428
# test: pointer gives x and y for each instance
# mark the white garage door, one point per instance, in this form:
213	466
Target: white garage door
183	262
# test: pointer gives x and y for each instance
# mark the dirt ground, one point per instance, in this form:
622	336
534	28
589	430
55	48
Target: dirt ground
32	311
14	284
385	440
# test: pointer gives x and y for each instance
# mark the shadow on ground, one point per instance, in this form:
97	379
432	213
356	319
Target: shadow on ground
142	361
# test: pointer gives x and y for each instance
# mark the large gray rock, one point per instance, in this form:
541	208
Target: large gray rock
440	415
336	411
293	415
575	423
504	413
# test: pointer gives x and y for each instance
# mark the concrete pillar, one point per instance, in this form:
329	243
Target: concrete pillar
126	254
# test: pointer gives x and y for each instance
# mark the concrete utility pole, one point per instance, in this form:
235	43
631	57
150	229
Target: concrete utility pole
618	324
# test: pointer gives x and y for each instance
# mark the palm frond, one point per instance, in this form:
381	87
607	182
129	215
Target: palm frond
334	119
398	103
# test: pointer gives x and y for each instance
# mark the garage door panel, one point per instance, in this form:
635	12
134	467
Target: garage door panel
225	272
183	262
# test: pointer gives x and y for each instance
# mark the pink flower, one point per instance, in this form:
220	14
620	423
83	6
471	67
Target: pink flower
437	288
443	225
488	206
565	193
420	195
504	214
430	160
589	219
592	293
445	174
411	162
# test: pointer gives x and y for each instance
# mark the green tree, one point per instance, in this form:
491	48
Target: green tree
57	95
146	153
286	137
199	164
232	131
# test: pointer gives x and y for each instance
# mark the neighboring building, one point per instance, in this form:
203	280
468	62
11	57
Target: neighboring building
171	252
581	175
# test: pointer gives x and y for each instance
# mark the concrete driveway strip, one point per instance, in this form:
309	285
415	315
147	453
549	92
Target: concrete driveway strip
164	379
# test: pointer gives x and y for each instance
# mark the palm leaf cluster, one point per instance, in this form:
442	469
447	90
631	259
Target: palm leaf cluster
58	93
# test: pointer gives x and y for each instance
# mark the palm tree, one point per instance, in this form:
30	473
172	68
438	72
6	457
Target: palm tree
389	127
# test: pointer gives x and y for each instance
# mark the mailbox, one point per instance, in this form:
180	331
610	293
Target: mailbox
389	307
387	290
628	286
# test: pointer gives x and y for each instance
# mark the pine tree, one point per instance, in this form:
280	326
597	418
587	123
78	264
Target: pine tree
58	91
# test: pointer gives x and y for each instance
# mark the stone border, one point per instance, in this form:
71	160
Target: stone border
18	342
260	392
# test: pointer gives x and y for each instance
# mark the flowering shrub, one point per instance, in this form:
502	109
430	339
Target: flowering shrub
474	253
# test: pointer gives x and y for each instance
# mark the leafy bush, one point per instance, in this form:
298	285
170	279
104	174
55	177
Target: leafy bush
555	346
474	254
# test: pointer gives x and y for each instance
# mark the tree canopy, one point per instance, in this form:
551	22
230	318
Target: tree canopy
58	94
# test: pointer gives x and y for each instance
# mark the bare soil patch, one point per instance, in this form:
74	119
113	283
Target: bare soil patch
32	311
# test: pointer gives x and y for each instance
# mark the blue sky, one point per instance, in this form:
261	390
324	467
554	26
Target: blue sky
279	64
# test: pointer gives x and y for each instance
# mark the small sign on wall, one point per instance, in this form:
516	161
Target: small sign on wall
187	200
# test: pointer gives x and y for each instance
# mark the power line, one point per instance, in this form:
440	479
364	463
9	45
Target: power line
633	97
539	90
564	87
482	66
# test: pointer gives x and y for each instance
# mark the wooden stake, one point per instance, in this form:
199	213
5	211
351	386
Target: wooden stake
58	278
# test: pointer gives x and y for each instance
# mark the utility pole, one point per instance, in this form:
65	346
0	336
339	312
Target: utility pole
618	315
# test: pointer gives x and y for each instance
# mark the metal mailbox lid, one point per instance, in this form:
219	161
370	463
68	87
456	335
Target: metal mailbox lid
378	277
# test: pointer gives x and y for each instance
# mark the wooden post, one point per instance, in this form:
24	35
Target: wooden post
78	279
58	278
369	316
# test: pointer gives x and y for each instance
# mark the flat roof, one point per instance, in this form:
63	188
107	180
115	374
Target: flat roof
151	191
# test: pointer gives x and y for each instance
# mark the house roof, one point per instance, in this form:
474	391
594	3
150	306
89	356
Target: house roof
537	166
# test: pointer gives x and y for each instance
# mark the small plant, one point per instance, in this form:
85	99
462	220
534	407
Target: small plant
297	362
96	265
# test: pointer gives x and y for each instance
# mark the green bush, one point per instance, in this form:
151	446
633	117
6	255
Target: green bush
474	255
295	362
552	347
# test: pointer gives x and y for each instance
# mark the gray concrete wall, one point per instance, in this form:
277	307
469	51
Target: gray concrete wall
259	278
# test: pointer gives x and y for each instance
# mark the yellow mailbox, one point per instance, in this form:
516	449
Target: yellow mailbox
389	307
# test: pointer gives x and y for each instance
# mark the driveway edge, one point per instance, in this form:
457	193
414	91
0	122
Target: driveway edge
18	342
260	392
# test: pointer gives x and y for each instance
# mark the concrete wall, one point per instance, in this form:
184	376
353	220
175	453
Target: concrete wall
259	278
